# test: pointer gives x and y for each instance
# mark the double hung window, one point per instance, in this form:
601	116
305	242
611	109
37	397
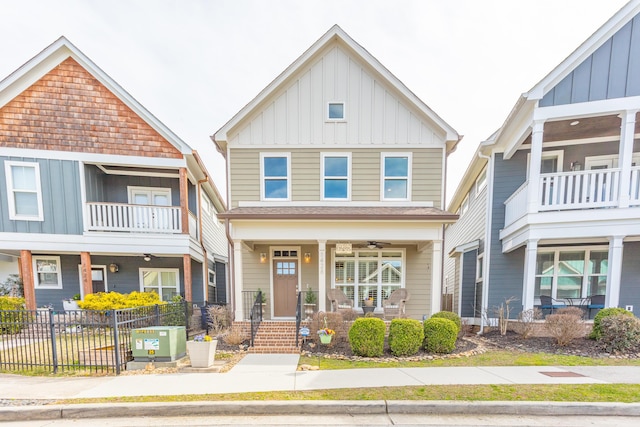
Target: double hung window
336	176
47	272
24	191
276	176
164	281
396	176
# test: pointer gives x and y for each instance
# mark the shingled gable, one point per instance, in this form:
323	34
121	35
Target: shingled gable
220	138
61	84
521	114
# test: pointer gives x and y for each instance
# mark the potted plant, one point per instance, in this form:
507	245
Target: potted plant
310	300
326	335
263	301
202	351
71	303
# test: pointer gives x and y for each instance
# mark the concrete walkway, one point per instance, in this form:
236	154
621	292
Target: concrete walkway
277	372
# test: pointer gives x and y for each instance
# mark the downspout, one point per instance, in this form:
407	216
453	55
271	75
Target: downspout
487	241
230	274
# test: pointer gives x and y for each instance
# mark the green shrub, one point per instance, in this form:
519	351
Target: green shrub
440	335
596	332
619	333
366	337
405	337
103	301
12	315
451	316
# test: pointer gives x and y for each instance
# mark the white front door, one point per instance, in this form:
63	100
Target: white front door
145	217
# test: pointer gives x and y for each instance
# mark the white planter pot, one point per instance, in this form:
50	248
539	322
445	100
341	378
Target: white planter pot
202	354
70	305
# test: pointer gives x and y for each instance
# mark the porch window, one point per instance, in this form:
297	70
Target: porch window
336	176
369	274
275	172
571	273
47	272
396	176
24	191
164	281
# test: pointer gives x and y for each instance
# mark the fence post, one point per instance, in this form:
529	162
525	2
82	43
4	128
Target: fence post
54	347
116	340
186	317
157	315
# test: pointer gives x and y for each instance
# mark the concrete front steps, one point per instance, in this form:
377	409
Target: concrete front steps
276	337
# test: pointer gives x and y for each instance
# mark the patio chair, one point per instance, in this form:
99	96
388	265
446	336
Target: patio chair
596	303
339	301
394	306
548	303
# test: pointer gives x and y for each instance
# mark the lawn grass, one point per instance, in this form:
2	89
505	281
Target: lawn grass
626	393
489	358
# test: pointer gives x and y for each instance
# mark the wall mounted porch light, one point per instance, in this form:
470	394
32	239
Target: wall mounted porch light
263	257
147	257
307	257
113	268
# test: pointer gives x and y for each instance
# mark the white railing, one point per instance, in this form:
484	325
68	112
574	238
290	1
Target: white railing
634	188
516	205
193	226
133	218
579	190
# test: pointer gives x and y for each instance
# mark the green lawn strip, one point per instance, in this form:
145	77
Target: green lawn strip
625	393
489	358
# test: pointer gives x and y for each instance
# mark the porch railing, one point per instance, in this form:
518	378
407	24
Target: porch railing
256	316
133	218
516	205
575	190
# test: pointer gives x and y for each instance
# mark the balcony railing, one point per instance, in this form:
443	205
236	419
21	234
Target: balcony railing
133	218
560	191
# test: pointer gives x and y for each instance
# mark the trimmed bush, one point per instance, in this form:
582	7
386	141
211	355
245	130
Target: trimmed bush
113	300
12	315
451	316
619	333
564	328
366	337
405	337
440	335
596	332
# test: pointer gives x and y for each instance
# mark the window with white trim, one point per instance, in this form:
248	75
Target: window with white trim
369	274
396	176
571	273
275	172
464	206
336	176
24	191
163	281
479	268
335	111
46	272
481	182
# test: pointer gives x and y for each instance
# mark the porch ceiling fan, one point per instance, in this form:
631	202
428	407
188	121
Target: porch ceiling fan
373	244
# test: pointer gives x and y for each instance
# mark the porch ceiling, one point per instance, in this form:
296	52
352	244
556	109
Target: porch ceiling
587	127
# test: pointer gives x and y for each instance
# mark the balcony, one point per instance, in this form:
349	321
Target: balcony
562	191
124	217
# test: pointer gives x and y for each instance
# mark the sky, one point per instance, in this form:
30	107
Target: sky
195	63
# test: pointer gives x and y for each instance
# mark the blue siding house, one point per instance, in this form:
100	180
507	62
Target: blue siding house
96	194
559	215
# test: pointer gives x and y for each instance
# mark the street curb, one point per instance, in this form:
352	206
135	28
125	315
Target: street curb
311	407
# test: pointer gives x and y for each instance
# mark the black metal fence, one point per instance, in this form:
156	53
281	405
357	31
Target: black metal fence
79	340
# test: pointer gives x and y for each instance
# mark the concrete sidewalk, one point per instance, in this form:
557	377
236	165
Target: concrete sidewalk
277	372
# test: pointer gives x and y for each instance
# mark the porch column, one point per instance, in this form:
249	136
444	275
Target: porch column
85	273
26	274
237	279
436	277
188	278
535	161
529	279
184	200
627	130
322	275
612	298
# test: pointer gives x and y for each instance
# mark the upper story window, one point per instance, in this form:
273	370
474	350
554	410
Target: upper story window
275	174
23	191
47	272
336	176
335	111
481	182
464	206
396	176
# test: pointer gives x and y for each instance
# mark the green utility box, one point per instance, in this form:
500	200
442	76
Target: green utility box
159	343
